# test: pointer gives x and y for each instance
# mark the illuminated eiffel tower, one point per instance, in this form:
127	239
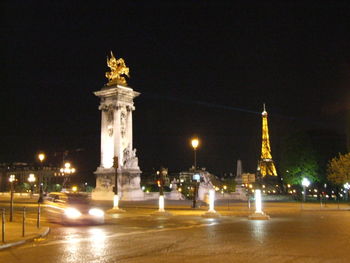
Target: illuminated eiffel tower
266	166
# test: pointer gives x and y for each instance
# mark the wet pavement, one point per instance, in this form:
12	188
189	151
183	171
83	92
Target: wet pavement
289	236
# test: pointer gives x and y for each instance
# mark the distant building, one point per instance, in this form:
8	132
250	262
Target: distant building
51	176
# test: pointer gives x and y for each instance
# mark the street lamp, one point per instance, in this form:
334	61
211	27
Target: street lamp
195	143
162	174
11	180
196	179
305	183
66	171
41	157
31	180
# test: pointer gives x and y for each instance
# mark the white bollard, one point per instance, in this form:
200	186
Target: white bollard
116	202
258	206
259	214
211	201
161	203
211	213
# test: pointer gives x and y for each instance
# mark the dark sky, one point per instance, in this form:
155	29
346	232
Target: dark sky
203	68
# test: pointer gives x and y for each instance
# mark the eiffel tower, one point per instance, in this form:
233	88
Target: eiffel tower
266	166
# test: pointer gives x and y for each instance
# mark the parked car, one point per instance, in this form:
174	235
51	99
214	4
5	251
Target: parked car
72	208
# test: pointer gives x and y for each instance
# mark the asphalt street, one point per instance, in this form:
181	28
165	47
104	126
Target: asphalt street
293	236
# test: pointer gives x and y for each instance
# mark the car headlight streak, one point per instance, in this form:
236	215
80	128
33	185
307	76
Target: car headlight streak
96	212
72	213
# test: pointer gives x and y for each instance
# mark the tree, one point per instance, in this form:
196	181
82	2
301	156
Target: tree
298	159
339	169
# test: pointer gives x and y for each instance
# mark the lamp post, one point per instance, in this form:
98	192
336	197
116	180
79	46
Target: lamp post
31	180
41	157
305	183
11	180
195	143
66	171
162	174
196	179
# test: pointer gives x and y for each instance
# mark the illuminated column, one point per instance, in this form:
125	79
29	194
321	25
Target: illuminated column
116	104
107	150
117	137
103	132
129	125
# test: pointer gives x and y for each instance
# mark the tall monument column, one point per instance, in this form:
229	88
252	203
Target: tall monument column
116	106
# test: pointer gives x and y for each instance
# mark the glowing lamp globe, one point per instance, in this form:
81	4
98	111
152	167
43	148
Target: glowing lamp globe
195	143
305	182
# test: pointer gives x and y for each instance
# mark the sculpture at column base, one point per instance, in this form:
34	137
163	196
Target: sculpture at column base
128	184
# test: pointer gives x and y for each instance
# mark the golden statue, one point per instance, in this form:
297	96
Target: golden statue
118	71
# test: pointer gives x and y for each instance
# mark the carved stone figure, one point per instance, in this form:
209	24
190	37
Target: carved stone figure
130	161
118	71
123	122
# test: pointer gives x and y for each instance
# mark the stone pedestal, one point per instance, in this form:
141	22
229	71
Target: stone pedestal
128	184
116	106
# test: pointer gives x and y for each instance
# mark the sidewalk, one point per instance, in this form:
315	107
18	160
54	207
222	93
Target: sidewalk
13	234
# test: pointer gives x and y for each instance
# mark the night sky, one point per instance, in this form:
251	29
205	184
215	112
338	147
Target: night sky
203	68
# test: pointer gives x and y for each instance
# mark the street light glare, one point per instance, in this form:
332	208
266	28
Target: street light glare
12	178
31	178
41	157
195	143
305	182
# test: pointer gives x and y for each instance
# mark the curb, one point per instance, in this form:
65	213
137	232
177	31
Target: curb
21	242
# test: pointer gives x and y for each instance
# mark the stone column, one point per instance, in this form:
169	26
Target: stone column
129	126
117	139
103	132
